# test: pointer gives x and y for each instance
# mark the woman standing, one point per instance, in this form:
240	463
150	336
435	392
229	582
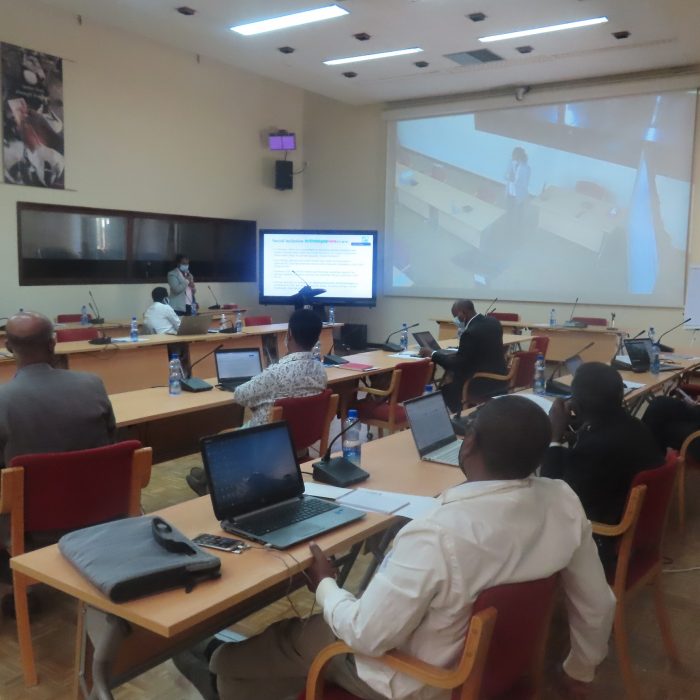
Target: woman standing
182	287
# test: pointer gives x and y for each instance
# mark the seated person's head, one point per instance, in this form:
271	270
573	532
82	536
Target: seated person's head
597	391
463	309
506	439
304	331
30	337
160	294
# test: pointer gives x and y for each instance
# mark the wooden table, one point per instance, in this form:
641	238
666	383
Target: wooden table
563	341
127	366
145	632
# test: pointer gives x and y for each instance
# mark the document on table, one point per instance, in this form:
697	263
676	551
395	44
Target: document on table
631	386
404	504
313	488
542	401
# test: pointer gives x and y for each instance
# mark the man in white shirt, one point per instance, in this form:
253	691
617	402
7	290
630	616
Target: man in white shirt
160	317
502	526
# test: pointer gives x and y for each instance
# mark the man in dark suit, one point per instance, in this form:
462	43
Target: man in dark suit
480	350
608	448
44	409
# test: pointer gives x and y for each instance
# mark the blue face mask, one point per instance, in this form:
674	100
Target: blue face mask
184	268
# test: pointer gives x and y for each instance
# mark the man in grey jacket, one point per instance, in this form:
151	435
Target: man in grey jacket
43	409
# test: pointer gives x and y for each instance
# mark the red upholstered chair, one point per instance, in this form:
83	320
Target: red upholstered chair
514	659
539	343
591	320
382	407
468	398
525	374
639	561
309	419
464	679
257	320
684	460
65	335
66	491
70	318
504	316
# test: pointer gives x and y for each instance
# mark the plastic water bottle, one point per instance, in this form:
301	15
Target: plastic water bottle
84	318
652	334
351	438
655	364
239	322
331	314
316	352
404	338
222	322
552	318
174	376
538	384
134	330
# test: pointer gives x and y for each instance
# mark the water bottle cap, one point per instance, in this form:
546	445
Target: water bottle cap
352	414
540	356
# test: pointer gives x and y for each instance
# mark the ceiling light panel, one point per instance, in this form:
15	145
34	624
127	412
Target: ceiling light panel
371	56
544	30
293	20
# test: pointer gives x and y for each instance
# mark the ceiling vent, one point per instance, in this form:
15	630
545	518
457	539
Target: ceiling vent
471	58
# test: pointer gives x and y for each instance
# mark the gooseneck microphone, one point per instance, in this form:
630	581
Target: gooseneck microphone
393	347
338	471
491	307
98	320
668	348
192	383
216	304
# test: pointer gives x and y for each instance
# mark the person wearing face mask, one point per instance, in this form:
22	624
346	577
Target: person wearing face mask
480	350
296	374
160	317
182	287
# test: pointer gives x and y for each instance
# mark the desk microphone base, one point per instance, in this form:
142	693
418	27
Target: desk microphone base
338	472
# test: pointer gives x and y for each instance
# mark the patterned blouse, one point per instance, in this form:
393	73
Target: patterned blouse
296	374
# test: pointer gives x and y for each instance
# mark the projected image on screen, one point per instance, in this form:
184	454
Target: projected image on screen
544	203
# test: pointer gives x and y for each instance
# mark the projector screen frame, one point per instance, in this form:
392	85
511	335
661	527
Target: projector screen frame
485	102
367	302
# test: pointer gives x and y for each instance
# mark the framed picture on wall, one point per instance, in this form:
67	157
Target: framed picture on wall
32	117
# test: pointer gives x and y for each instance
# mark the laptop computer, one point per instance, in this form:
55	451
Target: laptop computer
257	490
426	339
194	325
570	365
235	366
432	429
639	351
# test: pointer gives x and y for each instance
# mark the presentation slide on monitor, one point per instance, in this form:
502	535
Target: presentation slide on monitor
342	264
585	199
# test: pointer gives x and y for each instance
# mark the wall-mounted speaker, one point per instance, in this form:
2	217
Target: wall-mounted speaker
284	179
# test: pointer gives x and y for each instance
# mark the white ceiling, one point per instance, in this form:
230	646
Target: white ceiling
663	34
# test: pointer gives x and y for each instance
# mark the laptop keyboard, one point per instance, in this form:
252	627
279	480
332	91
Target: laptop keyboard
448	453
285	515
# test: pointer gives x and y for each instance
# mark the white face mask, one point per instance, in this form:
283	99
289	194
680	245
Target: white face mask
457	321
184	268
166	301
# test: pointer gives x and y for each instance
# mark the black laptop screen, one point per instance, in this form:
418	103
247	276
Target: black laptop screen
251	468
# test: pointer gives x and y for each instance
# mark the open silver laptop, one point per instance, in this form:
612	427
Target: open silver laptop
432	429
235	366
257	490
194	325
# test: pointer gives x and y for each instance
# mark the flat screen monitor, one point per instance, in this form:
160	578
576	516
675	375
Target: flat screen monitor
344	263
282	142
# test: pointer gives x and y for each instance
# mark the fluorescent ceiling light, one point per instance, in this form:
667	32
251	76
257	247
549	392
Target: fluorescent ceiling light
545	30
370	56
294	20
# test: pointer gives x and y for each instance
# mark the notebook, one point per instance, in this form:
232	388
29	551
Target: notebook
236	366
432	429
257	490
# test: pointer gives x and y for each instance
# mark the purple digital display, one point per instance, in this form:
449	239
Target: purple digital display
282	142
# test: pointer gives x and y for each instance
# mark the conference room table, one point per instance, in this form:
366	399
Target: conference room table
142	633
564	341
126	366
